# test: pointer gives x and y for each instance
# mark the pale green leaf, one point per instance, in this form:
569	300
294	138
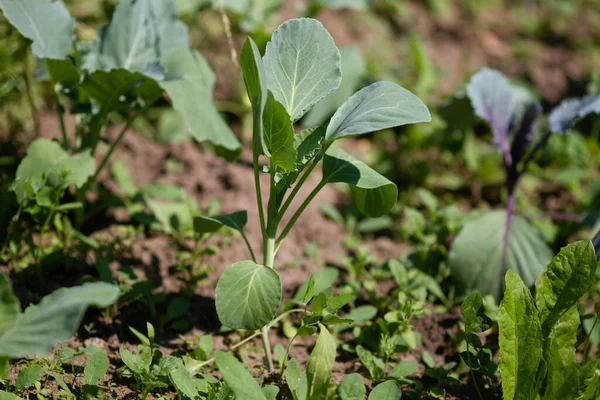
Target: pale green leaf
238	378
476	254
140	34
292	374
183	382
353	69
320	362
568	277
270	392
189	83
95	368
352	388
404	369
520	339
45	158
387	390
9	304
54	319
302	65
373	194
46	22
248	295
278	134
379	106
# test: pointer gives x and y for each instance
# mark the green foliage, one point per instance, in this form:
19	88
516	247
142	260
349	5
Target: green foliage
320	362
477	260
537	336
54	319
238	378
249	295
352	388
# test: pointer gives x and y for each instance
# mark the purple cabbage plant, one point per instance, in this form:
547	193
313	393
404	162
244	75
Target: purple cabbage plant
514	116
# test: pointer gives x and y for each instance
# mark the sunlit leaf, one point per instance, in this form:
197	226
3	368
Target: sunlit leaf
302	65
46	22
320	362
238	378
563	117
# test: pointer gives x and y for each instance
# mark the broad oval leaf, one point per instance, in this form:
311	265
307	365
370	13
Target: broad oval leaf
9	304
238	378
140	34
278	135
46	22
568	277
378	106
302	65
320	362
498	102
54	319
248	295
95	368
476	255
388	390
353	69
520	339
352	388
562	118
373	194
189	83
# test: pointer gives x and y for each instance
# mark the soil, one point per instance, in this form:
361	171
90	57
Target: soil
456	47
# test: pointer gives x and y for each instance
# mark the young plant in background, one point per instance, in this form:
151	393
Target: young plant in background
300	67
537	335
500	240
116	74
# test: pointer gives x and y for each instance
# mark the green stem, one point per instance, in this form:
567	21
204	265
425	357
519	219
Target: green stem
248	245
267	345
116	142
295	190
287	354
297	214
61	118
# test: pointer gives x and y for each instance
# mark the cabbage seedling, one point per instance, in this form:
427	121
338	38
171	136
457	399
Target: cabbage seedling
300	67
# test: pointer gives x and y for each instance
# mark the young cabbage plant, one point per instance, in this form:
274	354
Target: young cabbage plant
538	335
139	57
300	67
500	240
42	326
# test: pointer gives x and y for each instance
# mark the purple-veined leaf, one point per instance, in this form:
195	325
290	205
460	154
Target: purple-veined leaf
562	118
499	103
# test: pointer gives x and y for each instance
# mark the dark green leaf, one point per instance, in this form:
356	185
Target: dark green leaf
308	144
278	134
373	194
323	279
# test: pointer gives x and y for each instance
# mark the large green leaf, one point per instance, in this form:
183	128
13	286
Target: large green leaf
353	69
238	378
54	319
476	255
320	362
520	339
255	79
248	295
302	65
568	277
387	390
279	135
559	353
373	194
45	158
47	23
378	106
9	304
190	82
140	34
